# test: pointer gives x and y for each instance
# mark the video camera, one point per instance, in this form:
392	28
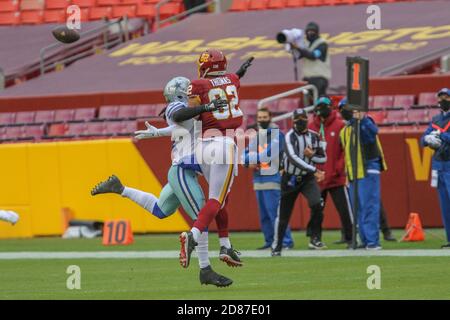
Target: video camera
291	37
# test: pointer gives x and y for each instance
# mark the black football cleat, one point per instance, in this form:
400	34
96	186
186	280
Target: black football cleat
112	185
187	246
388	236
316	244
446	246
209	276
230	256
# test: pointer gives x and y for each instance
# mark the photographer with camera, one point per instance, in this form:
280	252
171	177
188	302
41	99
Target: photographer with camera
314	54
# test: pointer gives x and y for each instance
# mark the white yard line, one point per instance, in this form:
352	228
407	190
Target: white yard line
245	254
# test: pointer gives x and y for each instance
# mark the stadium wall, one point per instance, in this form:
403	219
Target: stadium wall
40	179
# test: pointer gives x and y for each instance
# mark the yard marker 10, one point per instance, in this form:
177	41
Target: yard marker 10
117	232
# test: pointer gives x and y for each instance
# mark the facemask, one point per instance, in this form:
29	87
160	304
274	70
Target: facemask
264	124
347	114
323	110
311	37
445	105
301	125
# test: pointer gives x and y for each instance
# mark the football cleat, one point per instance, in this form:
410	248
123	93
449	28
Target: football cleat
112	185
230	256
446	246
276	253
187	246
373	248
9	216
209	276
316	244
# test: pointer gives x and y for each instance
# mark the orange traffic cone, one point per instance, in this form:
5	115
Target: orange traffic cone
413	230
117	232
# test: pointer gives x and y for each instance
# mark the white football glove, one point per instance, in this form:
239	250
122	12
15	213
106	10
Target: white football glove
433	141
151	132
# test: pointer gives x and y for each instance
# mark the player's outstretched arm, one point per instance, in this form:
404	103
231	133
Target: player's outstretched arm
243	69
153	132
189	113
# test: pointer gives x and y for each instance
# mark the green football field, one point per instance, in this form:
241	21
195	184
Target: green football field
289	277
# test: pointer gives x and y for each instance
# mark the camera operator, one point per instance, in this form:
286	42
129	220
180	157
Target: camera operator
315	58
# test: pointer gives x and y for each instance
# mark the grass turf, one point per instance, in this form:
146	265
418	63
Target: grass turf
263	278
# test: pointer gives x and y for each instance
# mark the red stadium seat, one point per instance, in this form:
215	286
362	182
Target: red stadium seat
258	5
45	116
170	9
32	17
14	133
419	116
76	129
127	112
98	13
84	3
107	2
239	5
249	107
64	115
404	101
152	1
57	130
396	116
433	112
427	99
95	128
377	116
131	1
31	5
114	127
9	5
383	102
146	110
307	3
57	4
9	18
129	127
108	112
84	114
276	4
272	106
7	118
25	117
53	16
121	11
146	10
295	3
287	105
35	132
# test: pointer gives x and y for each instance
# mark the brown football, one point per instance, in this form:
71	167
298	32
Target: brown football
65	35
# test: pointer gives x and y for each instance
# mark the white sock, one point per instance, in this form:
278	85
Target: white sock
195	233
225	242
202	250
145	200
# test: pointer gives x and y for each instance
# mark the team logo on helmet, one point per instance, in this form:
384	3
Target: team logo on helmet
212	63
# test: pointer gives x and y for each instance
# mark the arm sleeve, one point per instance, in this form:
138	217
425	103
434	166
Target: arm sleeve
319	53
295	159
184	114
320	155
369	130
167	131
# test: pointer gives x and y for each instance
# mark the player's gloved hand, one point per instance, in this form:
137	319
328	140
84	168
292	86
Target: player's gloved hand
433	141
216	105
151	132
243	68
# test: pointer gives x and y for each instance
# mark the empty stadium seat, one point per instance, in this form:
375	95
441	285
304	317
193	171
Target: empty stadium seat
152	1
396	116
35	132
84	114
7	118
76	129
434	112
294	3
32	17
57	130
108	2
312	3
258	4
131	1
129	127
57	4
53	16
95	129
64	115
169	9
45	116
114	127
276	4
239	5
25	117
9	5
97	13
419	116
249	107
84	3
108	112
383	102
146	110
9	18
287	105
14	133
377	116
127	112
121	11
146	10
404	101
427	99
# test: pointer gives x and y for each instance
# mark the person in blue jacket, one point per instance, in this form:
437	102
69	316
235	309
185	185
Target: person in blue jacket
437	137
263	156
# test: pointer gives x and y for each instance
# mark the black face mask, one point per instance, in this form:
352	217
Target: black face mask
445	105
323	110
301	125
312	36
347	114
264	124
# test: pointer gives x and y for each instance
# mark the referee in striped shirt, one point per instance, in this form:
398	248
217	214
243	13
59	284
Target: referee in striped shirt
302	151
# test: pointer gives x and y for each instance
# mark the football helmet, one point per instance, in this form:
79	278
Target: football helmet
177	89
211	63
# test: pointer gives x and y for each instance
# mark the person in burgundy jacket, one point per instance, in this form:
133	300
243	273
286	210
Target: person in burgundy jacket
328	123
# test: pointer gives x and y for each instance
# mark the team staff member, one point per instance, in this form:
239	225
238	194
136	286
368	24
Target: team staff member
327	123
370	164
302	151
263	155
437	137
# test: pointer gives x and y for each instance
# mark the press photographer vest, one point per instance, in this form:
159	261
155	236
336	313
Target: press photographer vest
316	68
442	123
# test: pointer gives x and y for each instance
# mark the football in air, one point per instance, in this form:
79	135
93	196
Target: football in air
65	35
